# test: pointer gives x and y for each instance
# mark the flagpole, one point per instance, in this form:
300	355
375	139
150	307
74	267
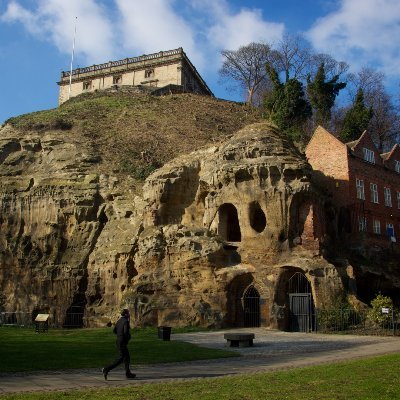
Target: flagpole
72	61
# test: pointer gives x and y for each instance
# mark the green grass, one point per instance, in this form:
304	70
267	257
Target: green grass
371	379
22	349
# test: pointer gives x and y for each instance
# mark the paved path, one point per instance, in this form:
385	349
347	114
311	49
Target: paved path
272	350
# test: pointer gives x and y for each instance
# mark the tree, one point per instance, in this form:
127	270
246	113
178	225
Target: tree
286	106
384	124
292	57
356	119
322	94
246	66
332	67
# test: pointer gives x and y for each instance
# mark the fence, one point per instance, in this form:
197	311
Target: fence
387	323
26	319
16	319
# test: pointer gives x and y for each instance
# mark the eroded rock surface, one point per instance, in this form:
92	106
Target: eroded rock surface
213	229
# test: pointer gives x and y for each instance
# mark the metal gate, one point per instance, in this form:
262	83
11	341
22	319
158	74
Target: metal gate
251	305
301	306
301	315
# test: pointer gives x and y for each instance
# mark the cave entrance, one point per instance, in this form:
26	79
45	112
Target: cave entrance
228	226
301	305
235	306
245	307
251	305
295	301
74	316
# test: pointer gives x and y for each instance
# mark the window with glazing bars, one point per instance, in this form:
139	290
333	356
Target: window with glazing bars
362	224
360	189
369	155
374	193
388	197
376	226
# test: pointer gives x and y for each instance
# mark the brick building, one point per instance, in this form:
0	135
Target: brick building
166	69
364	184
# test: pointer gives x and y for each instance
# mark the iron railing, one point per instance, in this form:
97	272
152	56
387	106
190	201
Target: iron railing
358	322
118	63
26	319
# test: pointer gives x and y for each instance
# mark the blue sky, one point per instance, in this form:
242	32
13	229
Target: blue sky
36	37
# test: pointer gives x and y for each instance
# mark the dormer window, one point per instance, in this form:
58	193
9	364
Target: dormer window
397	166
369	155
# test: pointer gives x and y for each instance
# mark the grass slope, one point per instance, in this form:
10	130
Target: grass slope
370	379
134	134
24	350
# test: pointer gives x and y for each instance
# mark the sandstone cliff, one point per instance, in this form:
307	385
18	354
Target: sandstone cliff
235	225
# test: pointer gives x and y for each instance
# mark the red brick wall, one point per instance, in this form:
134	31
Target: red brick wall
382	177
334	159
309	215
328	155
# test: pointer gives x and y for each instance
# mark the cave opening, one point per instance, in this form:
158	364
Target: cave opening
258	221
228	227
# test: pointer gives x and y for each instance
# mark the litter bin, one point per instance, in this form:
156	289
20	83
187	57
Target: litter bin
164	332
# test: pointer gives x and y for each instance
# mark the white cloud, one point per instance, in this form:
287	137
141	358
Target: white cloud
15	12
202	28
232	30
54	20
361	32
129	27
153	25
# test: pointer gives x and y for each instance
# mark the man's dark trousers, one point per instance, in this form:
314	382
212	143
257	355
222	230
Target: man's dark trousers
124	356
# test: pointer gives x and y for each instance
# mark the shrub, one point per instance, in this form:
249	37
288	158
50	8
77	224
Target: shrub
338	317
375	314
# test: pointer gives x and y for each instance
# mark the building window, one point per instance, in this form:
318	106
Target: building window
398	200
362	224
376	226
87	85
149	73
369	155
388	197
374	193
360	189
397	166
117	79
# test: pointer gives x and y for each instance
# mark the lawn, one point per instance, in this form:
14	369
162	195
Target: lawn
371	379
22	349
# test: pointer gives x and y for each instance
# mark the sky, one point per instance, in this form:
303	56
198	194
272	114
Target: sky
36	37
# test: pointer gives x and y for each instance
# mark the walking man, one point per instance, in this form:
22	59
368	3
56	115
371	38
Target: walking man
122	330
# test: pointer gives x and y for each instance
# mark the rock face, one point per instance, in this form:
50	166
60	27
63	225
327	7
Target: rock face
229	235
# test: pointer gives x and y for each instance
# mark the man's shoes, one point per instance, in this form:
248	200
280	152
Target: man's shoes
130	375
105	373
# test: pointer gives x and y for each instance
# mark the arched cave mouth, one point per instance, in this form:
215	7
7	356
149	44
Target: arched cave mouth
228	227
258	220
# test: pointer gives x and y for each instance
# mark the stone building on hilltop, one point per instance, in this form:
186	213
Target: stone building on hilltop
164	71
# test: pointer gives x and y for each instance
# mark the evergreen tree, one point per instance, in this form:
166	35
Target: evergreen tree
286	106
322	94
356	119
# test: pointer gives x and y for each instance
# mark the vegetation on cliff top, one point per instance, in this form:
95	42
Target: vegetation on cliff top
136	133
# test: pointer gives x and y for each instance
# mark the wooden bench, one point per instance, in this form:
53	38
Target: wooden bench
239	339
